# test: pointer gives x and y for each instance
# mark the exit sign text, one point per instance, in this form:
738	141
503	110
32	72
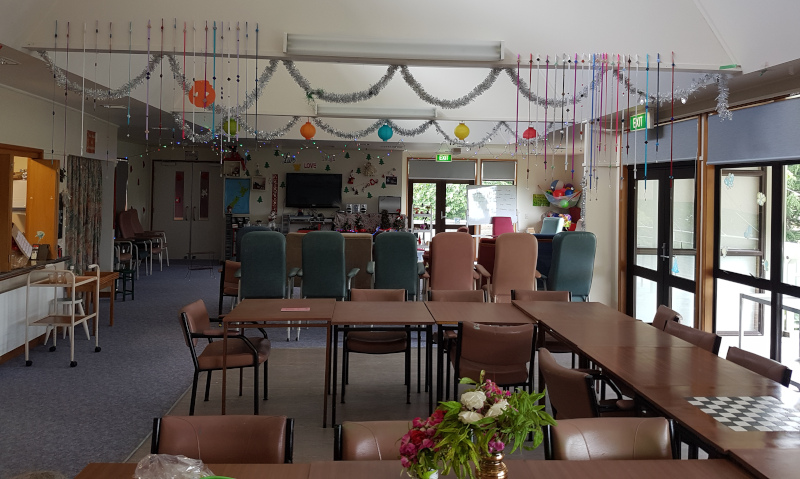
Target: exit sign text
444	157
640	122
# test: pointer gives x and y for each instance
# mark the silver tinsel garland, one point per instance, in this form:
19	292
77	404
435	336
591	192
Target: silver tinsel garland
320	94
480	89
211	135
525	91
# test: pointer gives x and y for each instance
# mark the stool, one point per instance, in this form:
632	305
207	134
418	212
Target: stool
67	304
125	276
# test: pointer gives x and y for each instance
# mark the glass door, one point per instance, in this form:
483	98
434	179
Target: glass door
661	227
438	205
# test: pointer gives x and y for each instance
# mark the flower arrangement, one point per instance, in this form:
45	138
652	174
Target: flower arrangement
485	421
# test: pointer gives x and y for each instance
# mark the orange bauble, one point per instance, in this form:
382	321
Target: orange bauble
202	94
308	131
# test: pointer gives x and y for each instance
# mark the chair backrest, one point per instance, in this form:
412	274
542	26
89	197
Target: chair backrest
134	221
240	233
452	261
486	248
377	295
495	350
263	257
703	339
125	223
229	278
552	225
501	225
572	265
571	391
610	438
532	295
395	256
226	439
323	265
514	264
196	320
665	314
759	364
458	295
369	440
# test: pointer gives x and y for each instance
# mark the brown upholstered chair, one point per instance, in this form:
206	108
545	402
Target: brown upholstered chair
242	351
703	339
503	352
572	392
377	342
450	335
149	242
369	440
452	258
664	314
759	364
225	439
611	438
229	283
552	344
514	266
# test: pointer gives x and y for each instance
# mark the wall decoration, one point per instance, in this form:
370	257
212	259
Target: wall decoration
259	183
761	199
237	195
201	94
369	170
729	181
308	131
204	208
275	195
391	180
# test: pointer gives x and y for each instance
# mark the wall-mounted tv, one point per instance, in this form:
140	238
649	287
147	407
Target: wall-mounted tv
313	190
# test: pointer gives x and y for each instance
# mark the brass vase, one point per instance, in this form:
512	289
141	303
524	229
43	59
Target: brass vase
492	466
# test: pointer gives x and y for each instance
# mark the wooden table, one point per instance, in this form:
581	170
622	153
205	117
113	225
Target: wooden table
108	279
449	313
239	471
271	313
382	315
768	463
529	469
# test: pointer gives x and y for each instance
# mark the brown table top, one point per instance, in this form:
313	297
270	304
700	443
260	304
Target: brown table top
239	471
672	401
445	312
320	309
574	311
585	333
390	469
768	463
381	312
690	469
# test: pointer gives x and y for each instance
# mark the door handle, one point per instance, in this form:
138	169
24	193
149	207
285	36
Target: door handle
185	213
194	213
442	215
664	254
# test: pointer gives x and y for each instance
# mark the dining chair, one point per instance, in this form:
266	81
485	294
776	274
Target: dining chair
368	440
452	262
664	314
377	342
395	265
504	353
229	283
242	351
572	391
501	225
514	266
572	264
759	364
703	339
228	439
611	438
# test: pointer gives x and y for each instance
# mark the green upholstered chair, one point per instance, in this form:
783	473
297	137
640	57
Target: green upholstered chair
263	271
572	264
395	264
241	232
323	272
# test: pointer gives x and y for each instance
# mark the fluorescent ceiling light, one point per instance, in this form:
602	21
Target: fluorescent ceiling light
401	49
388	113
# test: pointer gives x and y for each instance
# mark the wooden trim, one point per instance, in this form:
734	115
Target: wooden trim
20	350
704	296
14	150
622	235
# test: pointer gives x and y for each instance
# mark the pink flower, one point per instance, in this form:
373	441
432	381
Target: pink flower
427	444
417	422
496	446
405	462
408	449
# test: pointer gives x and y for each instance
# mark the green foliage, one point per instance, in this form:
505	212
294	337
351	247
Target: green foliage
793	203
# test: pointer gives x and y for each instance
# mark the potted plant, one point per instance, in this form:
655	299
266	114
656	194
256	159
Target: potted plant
477	430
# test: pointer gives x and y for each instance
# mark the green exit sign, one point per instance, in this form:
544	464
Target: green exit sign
641	121
444	157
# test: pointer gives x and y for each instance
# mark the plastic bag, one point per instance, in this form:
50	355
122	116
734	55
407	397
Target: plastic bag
166	466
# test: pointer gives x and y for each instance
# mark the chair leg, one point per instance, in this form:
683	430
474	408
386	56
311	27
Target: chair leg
241	376
408	371
208	386
266	378
255	389
345	358
194	392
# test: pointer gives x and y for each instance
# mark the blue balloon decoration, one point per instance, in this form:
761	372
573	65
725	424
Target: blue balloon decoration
385	132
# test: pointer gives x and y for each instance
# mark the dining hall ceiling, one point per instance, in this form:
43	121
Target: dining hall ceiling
755	43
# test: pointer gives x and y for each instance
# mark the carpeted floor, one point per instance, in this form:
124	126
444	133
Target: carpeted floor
60	418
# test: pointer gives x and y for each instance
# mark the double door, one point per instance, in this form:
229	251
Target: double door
443	201
661	234
187	205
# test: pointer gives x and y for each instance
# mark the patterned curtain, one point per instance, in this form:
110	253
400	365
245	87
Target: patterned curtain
82	218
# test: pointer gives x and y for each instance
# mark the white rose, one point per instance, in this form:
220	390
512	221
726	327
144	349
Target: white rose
473	399
497	408
468	417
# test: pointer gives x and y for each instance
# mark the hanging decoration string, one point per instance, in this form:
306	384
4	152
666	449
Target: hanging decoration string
147	104
636	133
55	88
108	110
658	90
66	90
213	79
516	121
238	111
574	90
546	82
646	114
591	123
183	96
161	84
564	127
83	83
672	119
528	156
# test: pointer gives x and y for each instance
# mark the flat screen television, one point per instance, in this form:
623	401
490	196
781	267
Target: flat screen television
313	190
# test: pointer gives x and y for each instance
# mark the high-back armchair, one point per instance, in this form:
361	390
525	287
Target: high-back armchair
395	264
452	261
572	265
514	266
263	257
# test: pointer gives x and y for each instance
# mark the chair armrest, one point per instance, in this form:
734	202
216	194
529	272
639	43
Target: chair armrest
238	273
295	272
371	267
420	268
483	272
353	272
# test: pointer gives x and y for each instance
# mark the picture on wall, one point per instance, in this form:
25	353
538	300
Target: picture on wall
237	196
259	183
391	180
